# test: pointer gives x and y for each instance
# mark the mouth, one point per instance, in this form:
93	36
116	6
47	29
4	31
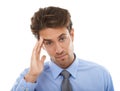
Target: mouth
61	56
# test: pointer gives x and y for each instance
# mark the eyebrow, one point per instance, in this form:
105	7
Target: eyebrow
63	34
46	40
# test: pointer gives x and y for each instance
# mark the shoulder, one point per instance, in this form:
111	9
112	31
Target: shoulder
91	66
94	70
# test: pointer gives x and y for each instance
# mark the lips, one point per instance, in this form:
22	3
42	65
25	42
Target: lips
60	56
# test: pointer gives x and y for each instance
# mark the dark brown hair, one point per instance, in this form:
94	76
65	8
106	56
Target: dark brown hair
50	17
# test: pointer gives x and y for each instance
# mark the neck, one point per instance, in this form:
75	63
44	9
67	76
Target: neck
71	61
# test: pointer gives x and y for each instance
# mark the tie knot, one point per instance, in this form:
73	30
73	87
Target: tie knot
65	74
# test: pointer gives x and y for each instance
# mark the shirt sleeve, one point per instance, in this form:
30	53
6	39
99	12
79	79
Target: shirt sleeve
110	86
22	85
108	81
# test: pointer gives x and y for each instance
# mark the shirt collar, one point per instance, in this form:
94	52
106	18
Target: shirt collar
72	69
56	70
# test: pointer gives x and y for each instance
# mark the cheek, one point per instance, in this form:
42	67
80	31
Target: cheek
50	52
70	46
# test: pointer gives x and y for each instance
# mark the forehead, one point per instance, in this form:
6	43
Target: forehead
50	33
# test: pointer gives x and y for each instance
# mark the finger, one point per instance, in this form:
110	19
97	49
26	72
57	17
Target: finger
38	48
43	59
35	48
40	43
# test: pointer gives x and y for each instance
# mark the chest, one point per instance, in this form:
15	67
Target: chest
80	83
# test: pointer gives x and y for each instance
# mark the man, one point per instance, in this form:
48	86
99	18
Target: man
52	26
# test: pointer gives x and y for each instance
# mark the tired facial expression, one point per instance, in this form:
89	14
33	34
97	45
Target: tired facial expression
58	42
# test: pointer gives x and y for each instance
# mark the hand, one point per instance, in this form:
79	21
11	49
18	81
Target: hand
37	64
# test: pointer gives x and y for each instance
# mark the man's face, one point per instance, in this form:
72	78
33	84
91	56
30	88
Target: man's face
58	43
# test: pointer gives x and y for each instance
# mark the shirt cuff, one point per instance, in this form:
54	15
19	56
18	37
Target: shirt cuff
26	86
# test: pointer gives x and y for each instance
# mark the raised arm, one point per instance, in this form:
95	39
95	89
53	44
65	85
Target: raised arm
26	81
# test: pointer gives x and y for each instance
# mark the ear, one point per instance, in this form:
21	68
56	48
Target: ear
72	34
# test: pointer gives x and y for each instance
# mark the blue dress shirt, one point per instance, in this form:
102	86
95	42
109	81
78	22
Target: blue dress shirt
85	76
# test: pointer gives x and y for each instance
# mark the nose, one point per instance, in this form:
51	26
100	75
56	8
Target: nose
59	48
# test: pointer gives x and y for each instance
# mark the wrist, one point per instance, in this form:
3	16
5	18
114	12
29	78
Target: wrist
30	78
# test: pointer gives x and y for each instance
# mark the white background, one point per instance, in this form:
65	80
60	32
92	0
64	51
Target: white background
97	35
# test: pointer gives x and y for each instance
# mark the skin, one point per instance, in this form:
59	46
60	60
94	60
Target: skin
58	42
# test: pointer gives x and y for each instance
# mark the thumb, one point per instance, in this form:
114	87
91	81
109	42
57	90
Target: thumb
43	58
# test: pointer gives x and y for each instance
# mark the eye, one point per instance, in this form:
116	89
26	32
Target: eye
62	39
47	42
